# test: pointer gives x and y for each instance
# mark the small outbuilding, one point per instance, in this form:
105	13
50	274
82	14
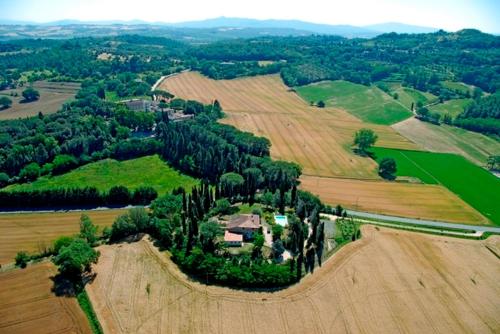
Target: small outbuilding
233	239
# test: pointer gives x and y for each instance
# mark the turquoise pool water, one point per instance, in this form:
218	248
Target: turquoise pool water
281	220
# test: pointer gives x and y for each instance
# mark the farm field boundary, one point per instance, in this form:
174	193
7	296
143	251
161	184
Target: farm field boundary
421	277
431	202
28	305
35	231
319	139
448	139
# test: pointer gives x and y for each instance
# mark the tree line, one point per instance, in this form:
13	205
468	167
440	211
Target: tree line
75	197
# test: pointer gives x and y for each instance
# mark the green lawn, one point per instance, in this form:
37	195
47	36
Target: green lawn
247	208
473	184
368	103
452	107
145	171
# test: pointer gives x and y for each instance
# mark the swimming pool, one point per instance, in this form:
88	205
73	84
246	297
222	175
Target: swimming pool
281	220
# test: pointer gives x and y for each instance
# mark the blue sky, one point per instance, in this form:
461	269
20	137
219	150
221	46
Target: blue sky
447	14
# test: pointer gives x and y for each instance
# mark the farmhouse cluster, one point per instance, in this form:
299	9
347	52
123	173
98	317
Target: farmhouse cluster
156	106
241	228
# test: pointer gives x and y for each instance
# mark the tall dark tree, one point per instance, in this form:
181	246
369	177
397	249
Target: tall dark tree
253	179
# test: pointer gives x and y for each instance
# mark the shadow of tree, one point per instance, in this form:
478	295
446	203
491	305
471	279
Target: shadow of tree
63	286
67	287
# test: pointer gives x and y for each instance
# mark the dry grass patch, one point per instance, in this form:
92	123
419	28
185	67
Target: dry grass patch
33	232
433	202
448	139
28	305
52	96
432	284
318	139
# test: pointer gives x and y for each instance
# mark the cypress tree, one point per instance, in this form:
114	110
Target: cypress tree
206	198
293	196
320	242
217	192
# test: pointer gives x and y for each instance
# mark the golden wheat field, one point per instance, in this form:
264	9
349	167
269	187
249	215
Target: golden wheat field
319	139
34	232
394	198
28	305
388	282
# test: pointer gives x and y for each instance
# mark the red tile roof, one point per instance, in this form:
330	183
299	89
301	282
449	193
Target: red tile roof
232	237
244	221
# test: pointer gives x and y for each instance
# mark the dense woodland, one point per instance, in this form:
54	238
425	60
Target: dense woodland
483	115
133	63
419	60
90	129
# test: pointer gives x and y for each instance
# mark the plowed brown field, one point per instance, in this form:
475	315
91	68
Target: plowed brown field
319	139
27	304
387	282
32	232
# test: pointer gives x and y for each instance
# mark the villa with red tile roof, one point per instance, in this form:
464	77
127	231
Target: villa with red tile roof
245	225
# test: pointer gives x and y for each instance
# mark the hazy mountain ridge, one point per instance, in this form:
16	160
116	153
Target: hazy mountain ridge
269	27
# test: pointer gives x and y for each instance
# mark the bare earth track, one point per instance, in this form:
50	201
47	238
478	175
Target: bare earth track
319	139
388	282
27	304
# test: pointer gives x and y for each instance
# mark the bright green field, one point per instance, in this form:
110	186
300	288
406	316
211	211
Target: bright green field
145	171
409	96
452	107
473	184
369	104
456	86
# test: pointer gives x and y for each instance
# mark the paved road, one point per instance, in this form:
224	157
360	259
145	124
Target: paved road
423	222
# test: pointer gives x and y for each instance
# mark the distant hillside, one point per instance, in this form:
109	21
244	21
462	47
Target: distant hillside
67	29
323	29
203	30
400	28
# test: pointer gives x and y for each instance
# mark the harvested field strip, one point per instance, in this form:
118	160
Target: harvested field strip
448	139
33	232
318	139
428	281
433	202
27	304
